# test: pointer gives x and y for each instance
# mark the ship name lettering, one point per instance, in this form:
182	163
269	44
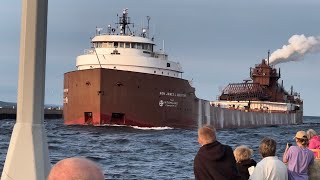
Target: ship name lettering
171	94
181	95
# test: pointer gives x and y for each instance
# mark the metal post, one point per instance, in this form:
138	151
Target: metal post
28	156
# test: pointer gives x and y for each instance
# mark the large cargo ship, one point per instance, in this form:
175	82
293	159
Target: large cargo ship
122	80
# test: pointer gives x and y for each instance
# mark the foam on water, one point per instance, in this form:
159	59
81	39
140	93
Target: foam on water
137	127
152	128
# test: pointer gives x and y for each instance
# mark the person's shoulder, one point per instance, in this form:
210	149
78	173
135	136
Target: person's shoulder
228	148
315	139
260	165
294	149
253	162
224	145
310	152
278	161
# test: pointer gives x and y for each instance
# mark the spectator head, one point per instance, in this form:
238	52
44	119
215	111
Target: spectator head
267	147
242	153
206	135
311	133
76	168
301	138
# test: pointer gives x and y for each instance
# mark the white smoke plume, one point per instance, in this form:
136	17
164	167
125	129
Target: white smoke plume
298	46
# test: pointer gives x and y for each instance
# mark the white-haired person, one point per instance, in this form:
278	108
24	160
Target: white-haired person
314	141
244	161
270	167
298	157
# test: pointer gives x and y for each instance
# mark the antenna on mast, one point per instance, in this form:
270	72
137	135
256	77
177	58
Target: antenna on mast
268	56
109	29
163	46
98	31
124	21
148	33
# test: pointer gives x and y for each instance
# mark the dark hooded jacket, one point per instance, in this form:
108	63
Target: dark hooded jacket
215	161
243	168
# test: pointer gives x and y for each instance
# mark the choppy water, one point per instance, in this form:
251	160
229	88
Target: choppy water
129	153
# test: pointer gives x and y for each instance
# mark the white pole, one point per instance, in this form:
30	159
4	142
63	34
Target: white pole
28	156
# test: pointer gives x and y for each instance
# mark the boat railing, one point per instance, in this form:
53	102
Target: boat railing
88	51
159	55
246	109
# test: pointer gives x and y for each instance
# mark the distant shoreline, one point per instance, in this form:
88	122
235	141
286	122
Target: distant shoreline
49	113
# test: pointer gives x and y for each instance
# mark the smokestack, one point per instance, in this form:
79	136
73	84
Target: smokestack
279	73
298	46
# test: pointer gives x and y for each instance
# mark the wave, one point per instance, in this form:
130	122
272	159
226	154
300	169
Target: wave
138	127
152	128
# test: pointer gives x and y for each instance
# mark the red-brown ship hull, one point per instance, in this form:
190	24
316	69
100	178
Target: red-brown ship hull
106	96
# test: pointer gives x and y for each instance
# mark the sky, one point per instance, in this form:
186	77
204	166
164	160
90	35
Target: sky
215	41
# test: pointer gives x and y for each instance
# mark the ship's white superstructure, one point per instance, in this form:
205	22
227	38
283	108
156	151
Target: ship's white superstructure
127	52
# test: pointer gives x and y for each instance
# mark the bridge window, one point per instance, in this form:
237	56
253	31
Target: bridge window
139	45
115	44
110	45
168	64
97	44
121	44
133	45
127	45
104	45
145	46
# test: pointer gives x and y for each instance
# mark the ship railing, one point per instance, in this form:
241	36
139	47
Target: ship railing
252	109
88	51
253	73
159	55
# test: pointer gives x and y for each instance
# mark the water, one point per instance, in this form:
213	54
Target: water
129	153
